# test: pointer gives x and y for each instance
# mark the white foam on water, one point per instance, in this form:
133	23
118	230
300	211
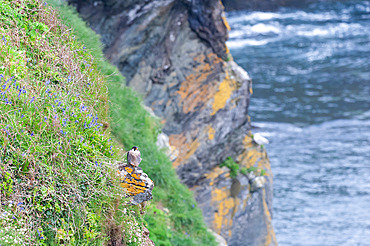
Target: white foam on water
264	28
296	15
247	42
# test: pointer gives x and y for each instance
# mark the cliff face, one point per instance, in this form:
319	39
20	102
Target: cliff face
174	53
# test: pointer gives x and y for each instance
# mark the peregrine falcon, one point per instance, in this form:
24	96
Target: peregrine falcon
133	156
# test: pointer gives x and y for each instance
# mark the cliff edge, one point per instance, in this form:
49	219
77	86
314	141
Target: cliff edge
174	54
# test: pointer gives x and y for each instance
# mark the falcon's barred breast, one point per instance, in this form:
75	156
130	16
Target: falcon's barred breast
134	156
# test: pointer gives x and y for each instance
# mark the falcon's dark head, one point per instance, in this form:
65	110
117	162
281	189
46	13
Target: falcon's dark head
135	148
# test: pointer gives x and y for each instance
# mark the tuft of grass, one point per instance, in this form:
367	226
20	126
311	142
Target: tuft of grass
232	166
235	169
173	217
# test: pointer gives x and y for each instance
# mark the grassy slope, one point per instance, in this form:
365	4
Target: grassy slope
57	184
51	140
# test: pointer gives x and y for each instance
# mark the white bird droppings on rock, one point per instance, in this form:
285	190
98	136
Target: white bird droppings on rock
259	139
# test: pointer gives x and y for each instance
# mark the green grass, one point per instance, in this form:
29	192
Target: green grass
235	169
232	166
57	183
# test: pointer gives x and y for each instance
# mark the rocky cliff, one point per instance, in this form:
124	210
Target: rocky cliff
174	54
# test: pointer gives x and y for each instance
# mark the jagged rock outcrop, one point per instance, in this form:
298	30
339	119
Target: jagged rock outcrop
136	183
174	53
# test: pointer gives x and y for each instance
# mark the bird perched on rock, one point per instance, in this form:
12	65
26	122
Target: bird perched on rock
133	156
259	139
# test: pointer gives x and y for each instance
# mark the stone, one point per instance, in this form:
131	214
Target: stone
163	143
219	239
146	240
136	183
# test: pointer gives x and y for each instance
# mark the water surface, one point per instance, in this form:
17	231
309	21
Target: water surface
311	79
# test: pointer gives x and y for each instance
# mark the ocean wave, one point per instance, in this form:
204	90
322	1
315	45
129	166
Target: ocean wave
331	29
234	44
240	17
262	34
254	30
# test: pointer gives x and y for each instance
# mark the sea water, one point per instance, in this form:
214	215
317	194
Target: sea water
311	79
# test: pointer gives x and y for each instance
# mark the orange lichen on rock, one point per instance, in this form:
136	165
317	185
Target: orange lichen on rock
215	173
271	238
136	183
186	148
224	92
211	133
253	155
250	157
198	88
248	141
226	23
227	206
264	164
